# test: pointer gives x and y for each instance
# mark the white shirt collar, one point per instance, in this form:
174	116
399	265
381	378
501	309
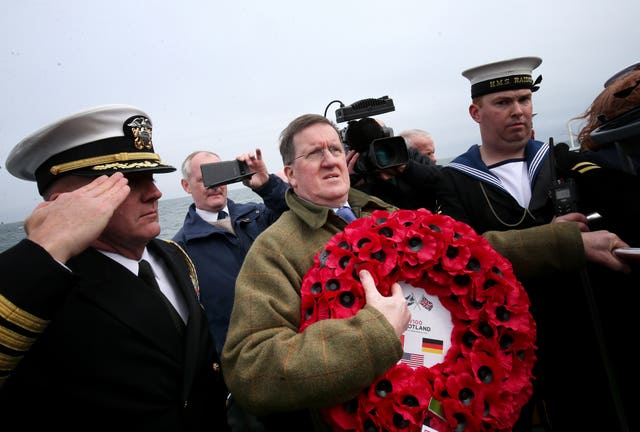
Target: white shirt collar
344	205
130	264
209	216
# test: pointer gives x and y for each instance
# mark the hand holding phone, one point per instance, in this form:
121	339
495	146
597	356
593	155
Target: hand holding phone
224	172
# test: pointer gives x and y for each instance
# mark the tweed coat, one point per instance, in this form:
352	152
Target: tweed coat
108	350
270	367
286	376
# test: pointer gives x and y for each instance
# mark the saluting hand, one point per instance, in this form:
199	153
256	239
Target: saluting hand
69	223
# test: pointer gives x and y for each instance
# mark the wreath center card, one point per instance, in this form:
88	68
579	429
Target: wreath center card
428	337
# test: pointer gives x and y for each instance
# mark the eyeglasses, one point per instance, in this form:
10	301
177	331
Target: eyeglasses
319	154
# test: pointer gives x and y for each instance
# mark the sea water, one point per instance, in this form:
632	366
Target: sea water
172	212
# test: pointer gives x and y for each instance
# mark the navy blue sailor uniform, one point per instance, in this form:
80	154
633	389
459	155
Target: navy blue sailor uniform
471	193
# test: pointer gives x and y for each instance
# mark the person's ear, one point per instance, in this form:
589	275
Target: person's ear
289	173
474	112
185	186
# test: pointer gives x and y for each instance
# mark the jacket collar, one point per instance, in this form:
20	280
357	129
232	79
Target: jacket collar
316	216
196	227
471	164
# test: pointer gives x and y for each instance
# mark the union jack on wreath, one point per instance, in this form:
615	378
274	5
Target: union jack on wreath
426	303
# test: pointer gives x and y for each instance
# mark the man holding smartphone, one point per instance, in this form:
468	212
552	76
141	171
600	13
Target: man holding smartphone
217	233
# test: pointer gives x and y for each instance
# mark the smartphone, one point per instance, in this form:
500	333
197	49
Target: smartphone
224	172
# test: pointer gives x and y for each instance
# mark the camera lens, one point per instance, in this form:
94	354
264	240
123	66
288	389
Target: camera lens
389	152
384	156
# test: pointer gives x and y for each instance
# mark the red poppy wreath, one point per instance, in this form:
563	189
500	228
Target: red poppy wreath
485	376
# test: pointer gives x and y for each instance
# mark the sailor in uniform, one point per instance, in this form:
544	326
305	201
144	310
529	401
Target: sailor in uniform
504	182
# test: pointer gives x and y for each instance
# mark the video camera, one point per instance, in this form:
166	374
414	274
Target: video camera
375	143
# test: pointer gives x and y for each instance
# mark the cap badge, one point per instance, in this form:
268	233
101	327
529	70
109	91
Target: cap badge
141	130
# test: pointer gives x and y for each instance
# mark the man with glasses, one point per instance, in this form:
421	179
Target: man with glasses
285	376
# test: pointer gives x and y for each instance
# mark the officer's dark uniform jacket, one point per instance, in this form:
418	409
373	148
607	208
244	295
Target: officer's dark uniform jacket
109	355
612	379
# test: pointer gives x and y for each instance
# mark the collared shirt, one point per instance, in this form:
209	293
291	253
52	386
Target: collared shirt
210	216
346	204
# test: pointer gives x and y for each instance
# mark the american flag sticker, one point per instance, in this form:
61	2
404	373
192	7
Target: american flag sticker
413	360
433	346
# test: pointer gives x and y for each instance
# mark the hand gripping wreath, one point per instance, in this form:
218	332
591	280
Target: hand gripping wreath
486	375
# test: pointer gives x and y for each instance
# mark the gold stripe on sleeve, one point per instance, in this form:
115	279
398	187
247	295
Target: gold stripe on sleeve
20	317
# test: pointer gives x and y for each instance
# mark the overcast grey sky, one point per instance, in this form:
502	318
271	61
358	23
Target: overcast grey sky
229	76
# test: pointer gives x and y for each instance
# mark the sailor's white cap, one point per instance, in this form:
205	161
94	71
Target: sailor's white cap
100	140
503	75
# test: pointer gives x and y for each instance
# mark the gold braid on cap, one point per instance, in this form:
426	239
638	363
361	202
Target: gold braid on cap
117	157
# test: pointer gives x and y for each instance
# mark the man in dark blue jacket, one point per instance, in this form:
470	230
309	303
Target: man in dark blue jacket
217	233
217	245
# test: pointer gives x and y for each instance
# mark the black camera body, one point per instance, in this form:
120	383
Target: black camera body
377	146
383	153
224	172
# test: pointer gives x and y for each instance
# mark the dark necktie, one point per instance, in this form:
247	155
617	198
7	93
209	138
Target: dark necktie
346	213
224	222
146	274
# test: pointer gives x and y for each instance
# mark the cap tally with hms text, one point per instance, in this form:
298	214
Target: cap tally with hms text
512	74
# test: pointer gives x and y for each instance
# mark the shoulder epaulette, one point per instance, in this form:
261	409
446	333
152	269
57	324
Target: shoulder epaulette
583	167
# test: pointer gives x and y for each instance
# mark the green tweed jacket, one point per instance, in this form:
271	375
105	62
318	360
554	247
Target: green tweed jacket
269	365
272	369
